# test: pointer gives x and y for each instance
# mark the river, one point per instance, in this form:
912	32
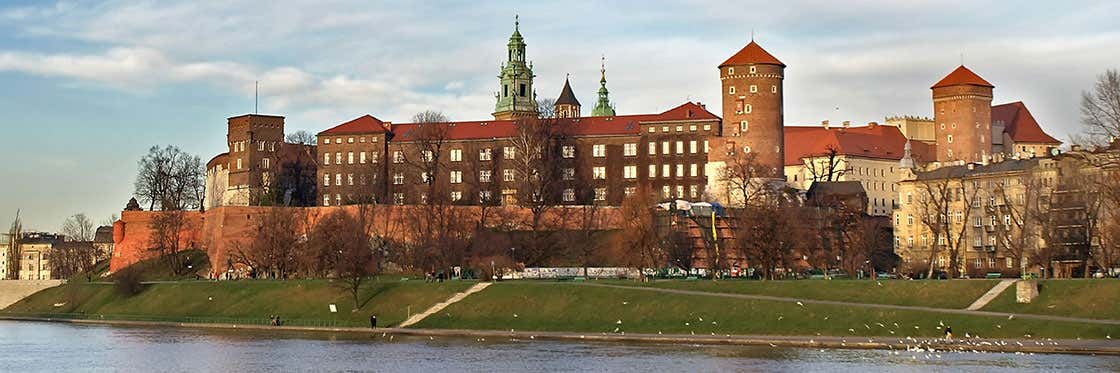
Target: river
59	347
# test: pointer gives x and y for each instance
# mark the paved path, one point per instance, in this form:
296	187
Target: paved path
994	292
441	305
867	305
902	345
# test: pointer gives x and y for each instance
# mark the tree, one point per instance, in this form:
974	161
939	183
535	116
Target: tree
170	179
770	231
343	244
745	178
78	227
535	163
15	231
295	183
1100	108
639	236
112	219
67	259
300	137
167	228
935	207
273	251
829	167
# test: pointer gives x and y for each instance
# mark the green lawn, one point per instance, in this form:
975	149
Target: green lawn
548	306
927	293
1088	298
388	297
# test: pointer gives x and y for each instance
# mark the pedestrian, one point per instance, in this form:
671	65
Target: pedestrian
372	321
948	332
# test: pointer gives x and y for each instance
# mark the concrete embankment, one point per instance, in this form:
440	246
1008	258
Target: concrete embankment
12	291
1048	346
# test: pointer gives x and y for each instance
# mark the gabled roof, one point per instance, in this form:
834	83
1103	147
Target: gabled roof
871	141
1020	124
566	95
585	126
962	76
752	54
363	124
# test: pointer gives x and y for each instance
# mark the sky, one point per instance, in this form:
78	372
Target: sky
88	87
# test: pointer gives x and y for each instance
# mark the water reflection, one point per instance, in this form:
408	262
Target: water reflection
26	347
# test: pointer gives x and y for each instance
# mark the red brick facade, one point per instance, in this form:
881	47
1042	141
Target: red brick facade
962	115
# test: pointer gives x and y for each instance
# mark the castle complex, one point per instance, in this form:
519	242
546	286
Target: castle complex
603	157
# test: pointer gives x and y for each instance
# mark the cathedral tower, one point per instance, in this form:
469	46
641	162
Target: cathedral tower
603	108
516	98
752	106
962	115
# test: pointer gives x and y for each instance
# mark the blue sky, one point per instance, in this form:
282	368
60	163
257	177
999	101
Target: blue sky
89	86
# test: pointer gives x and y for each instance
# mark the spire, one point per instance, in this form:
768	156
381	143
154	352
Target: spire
907	161
566	95
603	108
516	93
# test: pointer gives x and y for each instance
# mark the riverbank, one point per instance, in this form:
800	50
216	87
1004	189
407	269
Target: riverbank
911	345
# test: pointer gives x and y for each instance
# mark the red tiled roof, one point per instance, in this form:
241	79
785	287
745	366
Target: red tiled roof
585	126
1020	124
752	54
363	124
962	76
878	141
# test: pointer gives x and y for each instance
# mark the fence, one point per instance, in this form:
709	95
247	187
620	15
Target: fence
572	272
187	319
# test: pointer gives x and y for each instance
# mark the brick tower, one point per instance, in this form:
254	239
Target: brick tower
254	143
752	105
962	115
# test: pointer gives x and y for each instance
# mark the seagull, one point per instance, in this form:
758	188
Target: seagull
625	303
1010	317
618	322
800	304
515	315
780	318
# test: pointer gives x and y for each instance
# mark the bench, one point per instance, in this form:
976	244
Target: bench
993	275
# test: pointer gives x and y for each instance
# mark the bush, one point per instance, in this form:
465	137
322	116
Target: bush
127	282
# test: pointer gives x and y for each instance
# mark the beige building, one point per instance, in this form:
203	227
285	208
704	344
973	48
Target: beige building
4	247
1033	215
34	251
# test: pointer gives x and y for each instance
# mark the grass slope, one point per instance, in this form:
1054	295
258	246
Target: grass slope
1096	298
292	300
571	307
927	293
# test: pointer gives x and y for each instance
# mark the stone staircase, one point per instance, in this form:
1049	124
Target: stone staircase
441	305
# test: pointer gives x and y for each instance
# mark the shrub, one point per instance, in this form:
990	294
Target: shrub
127	282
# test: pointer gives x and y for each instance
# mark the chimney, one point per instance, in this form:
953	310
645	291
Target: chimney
872	124
824	123
847	124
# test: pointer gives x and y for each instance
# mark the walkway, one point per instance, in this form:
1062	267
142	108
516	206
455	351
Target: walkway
441	305
991	294
867	305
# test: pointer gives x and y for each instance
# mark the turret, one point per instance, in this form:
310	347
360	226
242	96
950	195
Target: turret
753	116
567	106
603	108
516	97
962	115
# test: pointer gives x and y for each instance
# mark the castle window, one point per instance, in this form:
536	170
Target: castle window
705	146
692	128
350	179
630	172
680	170
568	174
398	178
652	129
680	191
350	158
599	150
326	140
692	170
730	70
747	109
484	196
599	173
456	196
326	200
665	192
652	148
398	198
680	128
238	163
629	150
362	157
508	152
484	154
652	171
600	194
629	191
484	176
505	90
693	191
949	138
456	155
507	175
754	88
327	180
522	90
338	158
680	147
350	140
362	139
731	90
664	128
665	147
774	89
456	177
569	195
337	179
743	125
260	145
692	146
327	158
666	171
753	70
264	163
707	127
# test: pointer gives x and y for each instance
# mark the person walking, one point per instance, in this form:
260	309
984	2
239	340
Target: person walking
948	332
372	321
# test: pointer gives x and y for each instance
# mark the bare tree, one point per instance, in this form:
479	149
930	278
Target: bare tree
112	219
947	226
639	234
770	232
68	259
78	227
279	240
535	161
343	246
1100	108
827	166
1018	236
170	179
300	137
167	239
745	177
15	232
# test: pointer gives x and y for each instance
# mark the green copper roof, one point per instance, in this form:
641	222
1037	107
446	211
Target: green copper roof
603	108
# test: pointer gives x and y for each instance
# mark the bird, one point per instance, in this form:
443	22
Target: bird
515	315
615	330
1010	317
800	304
780	318
618	322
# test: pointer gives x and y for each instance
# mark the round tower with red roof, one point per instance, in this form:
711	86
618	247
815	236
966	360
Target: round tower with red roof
962	116
752	105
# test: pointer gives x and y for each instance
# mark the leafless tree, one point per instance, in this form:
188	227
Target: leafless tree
1018	235
68	259
112	219
274	250
170	179
1100	108
342	247
15	231
770	232
534	162
639	236
167	239
827	166
745	177
78	227
947	226
300	137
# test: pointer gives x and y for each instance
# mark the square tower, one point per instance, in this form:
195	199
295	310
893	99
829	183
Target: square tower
254	144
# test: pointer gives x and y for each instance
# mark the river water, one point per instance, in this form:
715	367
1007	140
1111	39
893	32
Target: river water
55	347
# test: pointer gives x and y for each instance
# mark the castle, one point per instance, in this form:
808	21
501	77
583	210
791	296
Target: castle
603	157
